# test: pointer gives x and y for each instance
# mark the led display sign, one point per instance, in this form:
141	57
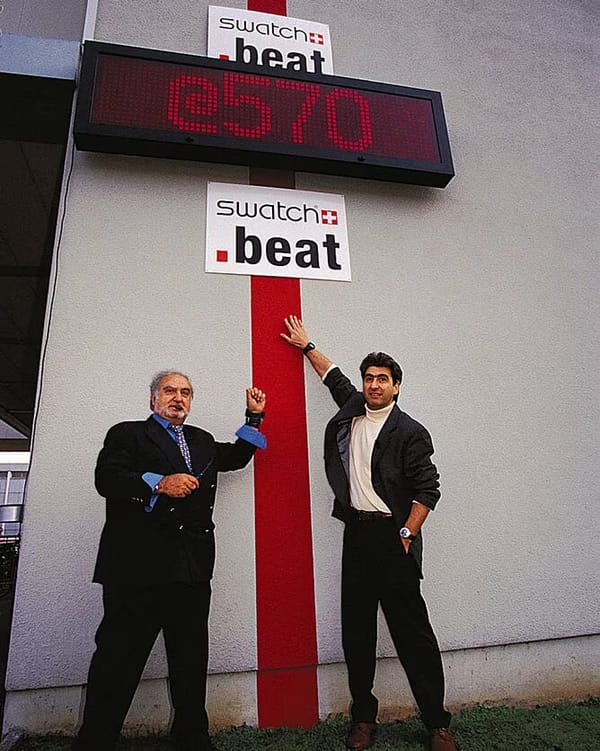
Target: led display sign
154	103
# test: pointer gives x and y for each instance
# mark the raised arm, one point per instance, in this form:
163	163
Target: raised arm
297	336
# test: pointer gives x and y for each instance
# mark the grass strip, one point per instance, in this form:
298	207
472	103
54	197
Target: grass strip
557	727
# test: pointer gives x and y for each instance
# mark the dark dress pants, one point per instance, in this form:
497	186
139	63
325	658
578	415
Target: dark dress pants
133	618
377	570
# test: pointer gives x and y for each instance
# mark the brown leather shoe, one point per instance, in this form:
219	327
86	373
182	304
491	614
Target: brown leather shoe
442	740
361	735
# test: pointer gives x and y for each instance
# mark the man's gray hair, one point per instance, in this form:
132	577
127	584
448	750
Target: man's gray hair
155	382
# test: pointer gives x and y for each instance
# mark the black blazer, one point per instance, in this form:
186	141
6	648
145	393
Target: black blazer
174	542
401	466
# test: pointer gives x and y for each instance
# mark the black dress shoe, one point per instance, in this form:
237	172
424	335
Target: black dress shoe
361	735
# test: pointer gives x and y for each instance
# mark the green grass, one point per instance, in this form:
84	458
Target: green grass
557	727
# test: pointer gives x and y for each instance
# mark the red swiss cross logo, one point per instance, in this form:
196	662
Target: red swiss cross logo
315	38
329	216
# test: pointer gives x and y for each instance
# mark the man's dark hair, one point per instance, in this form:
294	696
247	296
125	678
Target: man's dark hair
381	360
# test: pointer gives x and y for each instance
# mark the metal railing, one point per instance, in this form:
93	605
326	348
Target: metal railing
12	488
13	476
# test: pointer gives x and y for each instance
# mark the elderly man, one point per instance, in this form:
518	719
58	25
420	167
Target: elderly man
156	559
378	463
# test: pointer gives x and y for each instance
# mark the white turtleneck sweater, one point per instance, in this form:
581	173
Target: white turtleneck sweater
365	430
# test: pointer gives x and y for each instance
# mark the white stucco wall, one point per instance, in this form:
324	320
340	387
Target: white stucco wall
51	19
486	292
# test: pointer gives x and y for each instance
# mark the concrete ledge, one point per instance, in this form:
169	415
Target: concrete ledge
515	674
231	702
524	674
511	675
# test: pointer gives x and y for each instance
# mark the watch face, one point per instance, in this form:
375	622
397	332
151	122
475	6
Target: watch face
404	532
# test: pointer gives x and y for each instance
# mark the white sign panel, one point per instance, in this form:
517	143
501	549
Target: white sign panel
274	232
265	39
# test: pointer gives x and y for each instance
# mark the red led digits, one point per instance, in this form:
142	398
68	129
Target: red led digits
192	95
313	92
333	131
249	109
246	106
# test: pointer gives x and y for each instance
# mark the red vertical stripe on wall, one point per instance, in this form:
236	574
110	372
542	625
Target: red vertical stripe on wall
285	601
285	609
278	7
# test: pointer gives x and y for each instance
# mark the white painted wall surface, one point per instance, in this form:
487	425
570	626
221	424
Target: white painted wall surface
486	292
131	299
50	19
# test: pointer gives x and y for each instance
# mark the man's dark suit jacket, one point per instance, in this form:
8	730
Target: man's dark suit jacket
175	541
401	466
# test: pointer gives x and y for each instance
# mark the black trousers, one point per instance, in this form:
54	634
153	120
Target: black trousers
376	570
133	618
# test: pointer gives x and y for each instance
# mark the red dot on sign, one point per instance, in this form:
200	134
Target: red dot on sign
223	57
222	256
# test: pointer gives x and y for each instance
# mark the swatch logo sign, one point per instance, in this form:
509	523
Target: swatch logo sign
272	232
277	42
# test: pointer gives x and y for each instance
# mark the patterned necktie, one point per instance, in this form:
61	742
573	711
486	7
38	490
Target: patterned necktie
182	443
